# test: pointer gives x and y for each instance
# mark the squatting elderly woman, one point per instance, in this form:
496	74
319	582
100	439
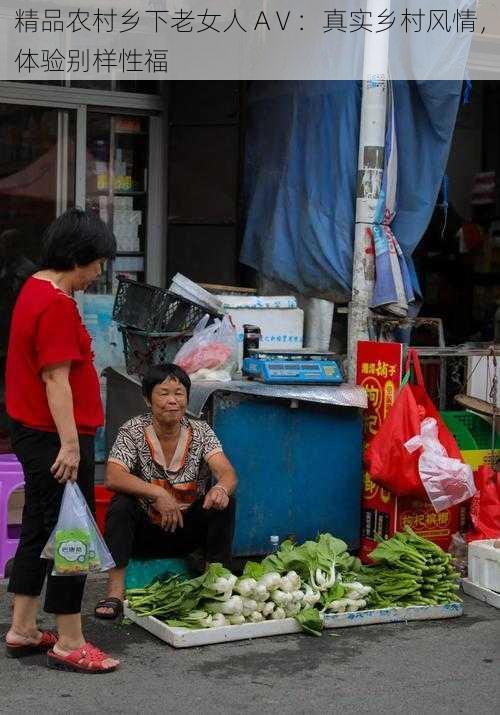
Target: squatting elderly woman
53	400
173	485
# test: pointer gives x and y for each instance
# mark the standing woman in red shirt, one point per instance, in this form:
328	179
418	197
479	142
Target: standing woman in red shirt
53	401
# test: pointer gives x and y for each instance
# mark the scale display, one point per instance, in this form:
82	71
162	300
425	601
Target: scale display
293	367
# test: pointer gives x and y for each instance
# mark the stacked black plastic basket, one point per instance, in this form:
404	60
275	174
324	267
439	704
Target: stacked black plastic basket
154	323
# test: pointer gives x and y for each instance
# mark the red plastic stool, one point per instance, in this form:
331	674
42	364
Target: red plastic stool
11	478
103	497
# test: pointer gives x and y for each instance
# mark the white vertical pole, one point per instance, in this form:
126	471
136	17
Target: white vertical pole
370	167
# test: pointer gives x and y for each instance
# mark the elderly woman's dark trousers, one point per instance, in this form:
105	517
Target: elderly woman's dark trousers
129	532
37	452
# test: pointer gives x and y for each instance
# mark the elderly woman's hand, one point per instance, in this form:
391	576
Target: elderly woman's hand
216	498
169	510
65	468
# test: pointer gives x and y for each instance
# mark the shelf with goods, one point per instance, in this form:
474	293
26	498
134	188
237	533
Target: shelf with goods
106	192
117	185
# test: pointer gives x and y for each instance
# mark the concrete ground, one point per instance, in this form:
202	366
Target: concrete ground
431	667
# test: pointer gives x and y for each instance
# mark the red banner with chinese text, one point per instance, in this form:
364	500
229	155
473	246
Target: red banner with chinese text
379	371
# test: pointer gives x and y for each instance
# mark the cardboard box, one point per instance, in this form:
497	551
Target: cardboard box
122	203
127	238
126	216
15	507
282	328
384	513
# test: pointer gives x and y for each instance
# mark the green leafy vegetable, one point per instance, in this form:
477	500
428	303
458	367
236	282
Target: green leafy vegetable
313	560
410	571
175	597
255	570
310	621
304	581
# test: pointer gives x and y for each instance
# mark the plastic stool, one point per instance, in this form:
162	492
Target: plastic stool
11	478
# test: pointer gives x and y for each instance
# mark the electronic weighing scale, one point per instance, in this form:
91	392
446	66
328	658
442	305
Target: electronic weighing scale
297	367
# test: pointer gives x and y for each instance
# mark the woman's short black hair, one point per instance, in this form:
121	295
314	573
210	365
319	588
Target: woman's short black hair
157	374
76	238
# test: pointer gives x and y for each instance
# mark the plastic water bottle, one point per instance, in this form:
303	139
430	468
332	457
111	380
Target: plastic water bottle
274	544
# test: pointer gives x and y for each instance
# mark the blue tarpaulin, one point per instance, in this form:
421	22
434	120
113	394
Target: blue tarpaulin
301	166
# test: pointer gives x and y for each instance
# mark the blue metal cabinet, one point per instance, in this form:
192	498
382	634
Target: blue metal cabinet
299	469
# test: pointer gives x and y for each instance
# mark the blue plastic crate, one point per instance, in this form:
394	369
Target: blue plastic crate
141	573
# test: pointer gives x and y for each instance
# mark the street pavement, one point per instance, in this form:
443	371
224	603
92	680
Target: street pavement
433	667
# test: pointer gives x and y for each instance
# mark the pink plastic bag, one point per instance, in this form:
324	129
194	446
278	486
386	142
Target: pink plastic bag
212	352
447	481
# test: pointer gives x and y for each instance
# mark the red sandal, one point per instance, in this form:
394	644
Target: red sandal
47	642
87	659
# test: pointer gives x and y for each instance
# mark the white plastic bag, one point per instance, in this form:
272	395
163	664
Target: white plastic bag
75	544
447	481
212	352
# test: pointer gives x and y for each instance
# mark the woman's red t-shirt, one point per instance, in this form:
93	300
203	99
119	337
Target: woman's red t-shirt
46	329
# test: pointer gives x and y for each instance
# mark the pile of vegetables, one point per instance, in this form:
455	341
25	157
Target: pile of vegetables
297	581
176	599
304	582
410	571
328	574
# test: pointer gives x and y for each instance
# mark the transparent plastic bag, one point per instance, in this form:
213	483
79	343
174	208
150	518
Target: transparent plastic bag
212	352
447	481
75	544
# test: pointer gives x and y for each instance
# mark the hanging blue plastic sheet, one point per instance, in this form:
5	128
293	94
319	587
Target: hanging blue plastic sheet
301	165
393	291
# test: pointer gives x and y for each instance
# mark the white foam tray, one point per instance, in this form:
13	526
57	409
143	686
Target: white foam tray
481	593
186	638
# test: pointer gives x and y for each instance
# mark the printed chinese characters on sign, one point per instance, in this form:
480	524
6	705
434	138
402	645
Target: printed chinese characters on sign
94	41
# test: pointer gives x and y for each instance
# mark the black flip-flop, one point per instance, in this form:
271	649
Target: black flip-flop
114	604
